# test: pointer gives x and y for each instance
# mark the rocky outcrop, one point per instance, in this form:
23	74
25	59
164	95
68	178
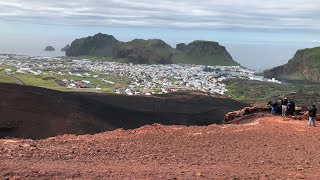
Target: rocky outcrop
152	51
66	47
97	45
203	53
203	48
305	116
49	48
231	117
303	66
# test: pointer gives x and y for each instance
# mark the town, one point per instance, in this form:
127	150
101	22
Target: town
121	78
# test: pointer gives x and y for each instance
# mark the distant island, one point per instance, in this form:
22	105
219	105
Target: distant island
66	48
49	48
304	66
151	51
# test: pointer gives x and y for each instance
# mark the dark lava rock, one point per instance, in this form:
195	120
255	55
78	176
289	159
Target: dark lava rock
49	48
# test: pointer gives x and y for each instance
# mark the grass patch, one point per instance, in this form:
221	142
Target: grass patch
312	56
32	80
294	76
38	81
259	92
7	79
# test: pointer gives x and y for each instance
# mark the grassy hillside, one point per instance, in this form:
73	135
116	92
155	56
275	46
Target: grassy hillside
6	79
39	81
260	93
152	51
312	56
304	66
203	53
295	76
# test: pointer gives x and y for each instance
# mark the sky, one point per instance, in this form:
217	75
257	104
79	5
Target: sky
258	34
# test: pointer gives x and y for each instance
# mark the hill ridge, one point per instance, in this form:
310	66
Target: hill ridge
305	65
152	51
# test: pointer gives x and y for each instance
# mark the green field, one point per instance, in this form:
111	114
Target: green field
7	79
261	92
294	76
32	80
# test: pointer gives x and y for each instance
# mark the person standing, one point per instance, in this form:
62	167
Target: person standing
291	107
284	105
312	111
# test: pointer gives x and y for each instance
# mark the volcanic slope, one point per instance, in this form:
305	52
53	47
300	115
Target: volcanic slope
270	147
32	112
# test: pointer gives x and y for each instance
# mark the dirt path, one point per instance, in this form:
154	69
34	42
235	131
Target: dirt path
269	148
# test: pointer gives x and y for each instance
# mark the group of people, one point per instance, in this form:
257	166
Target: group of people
282	106
285	106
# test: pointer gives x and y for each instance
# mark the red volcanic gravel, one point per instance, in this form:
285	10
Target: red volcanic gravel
271	147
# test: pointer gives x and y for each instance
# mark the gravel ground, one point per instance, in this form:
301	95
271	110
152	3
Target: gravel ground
271	147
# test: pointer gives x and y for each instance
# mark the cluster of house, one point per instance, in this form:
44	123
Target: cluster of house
78	84
170	77
146	79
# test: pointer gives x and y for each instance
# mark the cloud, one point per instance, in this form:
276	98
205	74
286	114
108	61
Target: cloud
268	15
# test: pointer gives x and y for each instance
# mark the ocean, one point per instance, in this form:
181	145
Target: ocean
32	52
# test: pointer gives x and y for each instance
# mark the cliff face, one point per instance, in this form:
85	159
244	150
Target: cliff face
97	45
303	66
311	73
203	52
203	48
152	51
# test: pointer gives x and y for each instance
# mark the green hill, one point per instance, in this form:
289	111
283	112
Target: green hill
97	45
203	52
305	65
152	51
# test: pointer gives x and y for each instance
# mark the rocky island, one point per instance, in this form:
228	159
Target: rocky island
151	51
49	48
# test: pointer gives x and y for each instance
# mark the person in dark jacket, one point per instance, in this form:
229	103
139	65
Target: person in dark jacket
279	105
312	110
291	107
273	106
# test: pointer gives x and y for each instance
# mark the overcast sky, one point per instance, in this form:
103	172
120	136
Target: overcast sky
257	33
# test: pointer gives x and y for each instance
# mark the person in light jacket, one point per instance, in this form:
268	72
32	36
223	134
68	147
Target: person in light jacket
284	104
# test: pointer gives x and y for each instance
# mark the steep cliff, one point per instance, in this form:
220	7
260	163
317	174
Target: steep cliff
305	65
203	52
152	51
97	45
